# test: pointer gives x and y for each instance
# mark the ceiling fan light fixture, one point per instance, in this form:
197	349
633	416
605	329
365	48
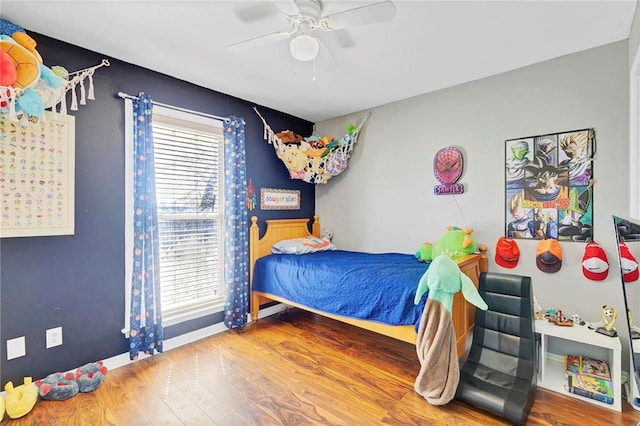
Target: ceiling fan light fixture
304	47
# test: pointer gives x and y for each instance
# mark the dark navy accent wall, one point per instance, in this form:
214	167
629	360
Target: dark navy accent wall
77	281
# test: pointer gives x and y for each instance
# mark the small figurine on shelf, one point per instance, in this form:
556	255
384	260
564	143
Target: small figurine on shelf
606	327
562	320
550	315
537	309
577	319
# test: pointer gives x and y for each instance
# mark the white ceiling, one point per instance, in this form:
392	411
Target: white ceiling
430	45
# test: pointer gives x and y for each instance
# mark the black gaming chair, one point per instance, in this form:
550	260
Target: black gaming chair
499	375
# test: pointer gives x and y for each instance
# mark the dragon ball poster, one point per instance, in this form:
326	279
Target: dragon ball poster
549	186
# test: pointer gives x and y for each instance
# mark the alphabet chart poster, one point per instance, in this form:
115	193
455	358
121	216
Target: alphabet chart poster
37	166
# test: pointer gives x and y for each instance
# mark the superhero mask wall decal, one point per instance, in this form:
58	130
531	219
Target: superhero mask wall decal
448	165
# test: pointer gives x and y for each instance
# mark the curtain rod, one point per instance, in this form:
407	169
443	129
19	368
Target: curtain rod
225	119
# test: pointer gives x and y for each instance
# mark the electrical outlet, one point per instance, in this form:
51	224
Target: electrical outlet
54	337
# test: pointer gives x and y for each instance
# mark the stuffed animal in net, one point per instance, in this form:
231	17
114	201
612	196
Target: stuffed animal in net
456	242
35	85
20	399
8	73
90	376
21	37
22	49
57	386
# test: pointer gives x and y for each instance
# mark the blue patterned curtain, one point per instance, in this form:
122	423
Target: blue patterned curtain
236	246
145	332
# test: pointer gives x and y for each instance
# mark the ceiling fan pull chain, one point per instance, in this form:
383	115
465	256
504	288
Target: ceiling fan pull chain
314	70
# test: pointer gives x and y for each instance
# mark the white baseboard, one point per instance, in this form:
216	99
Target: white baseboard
184	339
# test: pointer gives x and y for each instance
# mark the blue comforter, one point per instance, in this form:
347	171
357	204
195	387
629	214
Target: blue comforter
378	287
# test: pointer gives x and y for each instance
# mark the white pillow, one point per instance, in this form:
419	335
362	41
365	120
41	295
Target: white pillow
302	245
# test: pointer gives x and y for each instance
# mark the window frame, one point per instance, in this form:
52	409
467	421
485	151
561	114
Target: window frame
193	121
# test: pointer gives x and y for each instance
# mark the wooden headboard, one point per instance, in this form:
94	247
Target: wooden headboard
277	230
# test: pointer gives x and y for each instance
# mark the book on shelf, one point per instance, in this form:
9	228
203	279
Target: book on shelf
588	377
571	364
591	384
595	368
607	398
585	366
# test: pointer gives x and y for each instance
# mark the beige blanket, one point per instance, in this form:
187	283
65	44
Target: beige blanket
436	345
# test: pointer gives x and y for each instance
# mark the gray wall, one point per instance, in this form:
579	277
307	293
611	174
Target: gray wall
384	200
634	39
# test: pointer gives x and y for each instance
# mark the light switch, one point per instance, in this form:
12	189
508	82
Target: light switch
16	348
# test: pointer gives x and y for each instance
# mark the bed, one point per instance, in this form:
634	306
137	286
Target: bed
463	313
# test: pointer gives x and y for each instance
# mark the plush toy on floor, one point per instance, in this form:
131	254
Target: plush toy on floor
455	243
1	408
57	386
90	376
21	399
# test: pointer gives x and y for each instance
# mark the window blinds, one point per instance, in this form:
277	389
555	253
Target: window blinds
188	190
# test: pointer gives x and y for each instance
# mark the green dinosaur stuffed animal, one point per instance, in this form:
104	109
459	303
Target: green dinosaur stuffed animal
455	243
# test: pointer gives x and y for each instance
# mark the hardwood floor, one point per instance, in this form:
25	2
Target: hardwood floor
292	369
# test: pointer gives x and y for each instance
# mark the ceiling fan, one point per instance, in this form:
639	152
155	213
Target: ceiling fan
305	16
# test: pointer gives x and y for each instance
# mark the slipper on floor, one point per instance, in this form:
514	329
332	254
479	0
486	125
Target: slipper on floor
90	376
21	399
57	386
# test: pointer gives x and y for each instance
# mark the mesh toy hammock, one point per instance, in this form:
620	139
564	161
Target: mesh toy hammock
313	159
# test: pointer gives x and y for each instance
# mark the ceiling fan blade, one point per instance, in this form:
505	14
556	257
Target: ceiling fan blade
254	12
370	14
288	7
327	52
259	41
343	39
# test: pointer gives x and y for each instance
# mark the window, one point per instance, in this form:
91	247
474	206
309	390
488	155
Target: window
188	150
